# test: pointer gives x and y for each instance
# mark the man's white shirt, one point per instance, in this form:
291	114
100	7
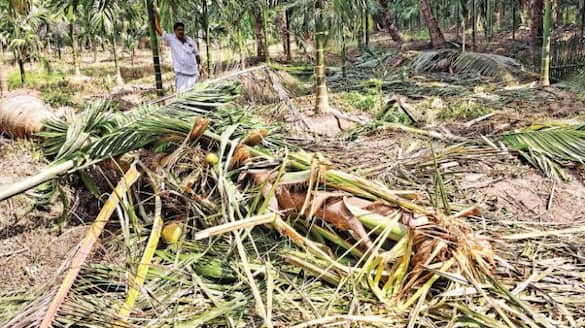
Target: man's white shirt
184	59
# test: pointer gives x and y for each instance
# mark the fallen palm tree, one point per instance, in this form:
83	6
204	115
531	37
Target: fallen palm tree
288	231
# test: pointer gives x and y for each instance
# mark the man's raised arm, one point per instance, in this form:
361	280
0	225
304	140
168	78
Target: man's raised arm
157	27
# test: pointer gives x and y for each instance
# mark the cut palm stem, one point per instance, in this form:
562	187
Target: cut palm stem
31	182
142	270
87	244
314	270
236	225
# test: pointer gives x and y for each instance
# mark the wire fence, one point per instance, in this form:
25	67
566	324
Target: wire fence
567	55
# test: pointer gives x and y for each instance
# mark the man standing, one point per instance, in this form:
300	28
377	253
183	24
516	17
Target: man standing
186	58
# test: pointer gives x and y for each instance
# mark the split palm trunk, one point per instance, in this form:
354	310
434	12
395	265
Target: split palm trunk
437	38
388	24
322	103
545	65
155	49
74	48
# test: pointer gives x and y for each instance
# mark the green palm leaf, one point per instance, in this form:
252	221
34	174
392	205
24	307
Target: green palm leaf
549	149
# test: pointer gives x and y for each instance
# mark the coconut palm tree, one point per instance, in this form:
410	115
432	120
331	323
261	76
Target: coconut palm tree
330	18
104	15
536	25
234	14
72	10
149	5
387	22
437	39
545	80
259	11
22	24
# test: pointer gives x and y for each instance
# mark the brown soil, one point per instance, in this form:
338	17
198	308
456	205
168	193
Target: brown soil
529	197
32	246
31	258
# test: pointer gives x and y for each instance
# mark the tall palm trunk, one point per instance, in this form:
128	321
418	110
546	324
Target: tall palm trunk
437	38
155	49
259	26
489	18
59	46
388	24
21	69
367	27
322	103
94	48
207	28
463	17
536	25
265	29
582	18
514	4
474	25
281	22
241	48
119	79
287	14
545	65
3	86
74	48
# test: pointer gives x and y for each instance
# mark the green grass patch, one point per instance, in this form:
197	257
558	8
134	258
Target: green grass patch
60	93
364	102
422	34
33	79
55	89
575	83
464	110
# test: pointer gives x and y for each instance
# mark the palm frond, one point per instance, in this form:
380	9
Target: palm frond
549	149
98	133
470	63
484	64
430	61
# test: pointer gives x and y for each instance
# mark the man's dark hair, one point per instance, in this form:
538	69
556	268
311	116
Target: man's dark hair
177	25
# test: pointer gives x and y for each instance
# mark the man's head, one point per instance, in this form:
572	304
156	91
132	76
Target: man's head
179	29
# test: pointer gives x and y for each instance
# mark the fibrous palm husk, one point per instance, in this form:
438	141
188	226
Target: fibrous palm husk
22	115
